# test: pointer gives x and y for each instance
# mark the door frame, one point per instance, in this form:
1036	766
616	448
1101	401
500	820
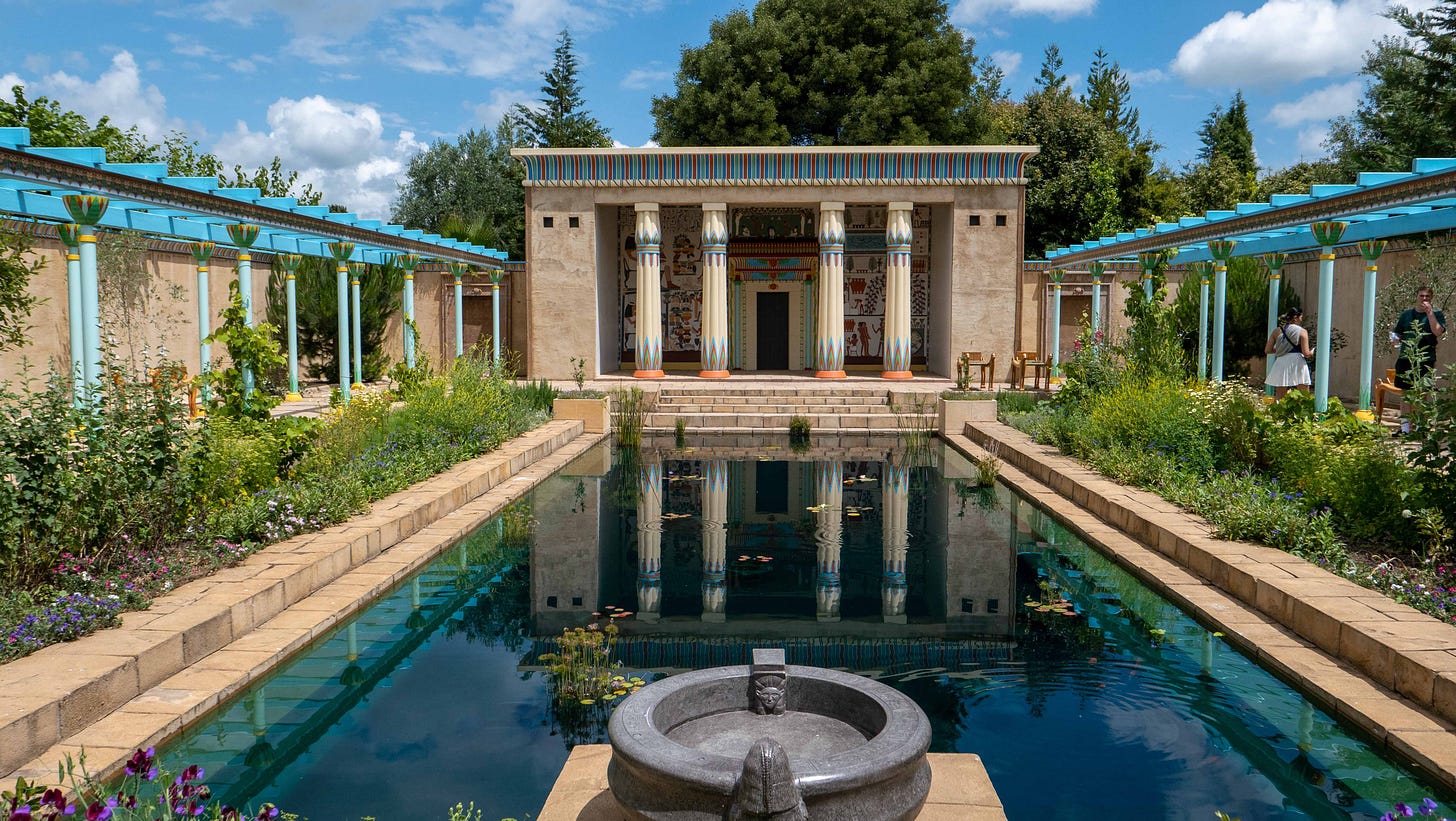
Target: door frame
749	334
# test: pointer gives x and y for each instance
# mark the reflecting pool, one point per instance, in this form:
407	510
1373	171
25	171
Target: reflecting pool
1086	694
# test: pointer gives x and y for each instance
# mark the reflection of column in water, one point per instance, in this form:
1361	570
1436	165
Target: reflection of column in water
261	754
416	618
1208	654
894	539
649	540
829	503
715	541
1306	726
464	565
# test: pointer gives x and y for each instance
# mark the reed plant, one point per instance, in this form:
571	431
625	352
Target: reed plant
629	415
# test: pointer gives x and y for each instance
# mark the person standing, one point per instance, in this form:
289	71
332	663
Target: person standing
1290	345
1416	333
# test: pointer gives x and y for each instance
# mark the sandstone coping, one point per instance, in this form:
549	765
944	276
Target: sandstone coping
960	789
164	661
1379	664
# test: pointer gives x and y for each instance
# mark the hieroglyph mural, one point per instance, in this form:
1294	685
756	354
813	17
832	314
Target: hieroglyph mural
864	283
682	279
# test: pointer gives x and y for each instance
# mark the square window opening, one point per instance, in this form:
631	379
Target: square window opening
993	605
550	601
548	222
968	605
573	222
973	220
1000	220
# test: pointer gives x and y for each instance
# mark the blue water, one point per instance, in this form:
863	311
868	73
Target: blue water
1086	695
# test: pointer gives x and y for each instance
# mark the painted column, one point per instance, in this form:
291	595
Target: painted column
811	318
244	236
649	539
1096	269
70	234
459	269
648	363
715	542
828	538
1222	250
1370	249
1056	275
1204	271
1149	261
356	321
409	262
894	540
290	263
341	252
1327	234
86	210
829	326
1275	262
896	340
714	342
495	298
202	253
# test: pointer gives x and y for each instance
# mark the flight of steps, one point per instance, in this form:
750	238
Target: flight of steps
758	409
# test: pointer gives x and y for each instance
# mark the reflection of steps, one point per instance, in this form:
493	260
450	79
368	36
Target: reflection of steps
758	409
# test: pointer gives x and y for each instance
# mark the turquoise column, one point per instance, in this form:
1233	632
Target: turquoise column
409	262
244	236
202	253
1370	249
341	252
1275	262
356	270
1203	269
70	234
1221	249
1149	260
290	263
1096	269
1327	234
1056	275
86	210
495	331
459	269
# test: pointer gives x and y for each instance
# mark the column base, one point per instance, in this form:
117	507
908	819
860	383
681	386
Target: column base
829	375
897	375
658	374
712	374
292	396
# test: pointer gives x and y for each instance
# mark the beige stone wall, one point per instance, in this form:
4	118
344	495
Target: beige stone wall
562	304
171	321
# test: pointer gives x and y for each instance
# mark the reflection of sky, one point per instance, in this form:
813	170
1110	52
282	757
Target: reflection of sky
460	725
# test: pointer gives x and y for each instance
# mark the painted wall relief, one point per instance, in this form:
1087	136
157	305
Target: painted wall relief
864	283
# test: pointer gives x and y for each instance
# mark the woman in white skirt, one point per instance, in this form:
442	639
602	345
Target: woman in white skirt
1290	345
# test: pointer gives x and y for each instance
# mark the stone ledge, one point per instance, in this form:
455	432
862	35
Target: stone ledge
1379	664
960	789
58	691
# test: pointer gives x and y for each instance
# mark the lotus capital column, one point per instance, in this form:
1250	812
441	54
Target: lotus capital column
715	541
715	291
897	291
649	292
1327	234
341	251
829	323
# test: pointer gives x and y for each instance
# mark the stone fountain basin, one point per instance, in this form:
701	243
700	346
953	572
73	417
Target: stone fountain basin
857	747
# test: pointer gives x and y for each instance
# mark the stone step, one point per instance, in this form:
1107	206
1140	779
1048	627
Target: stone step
778	407
758	398
780	421
759	391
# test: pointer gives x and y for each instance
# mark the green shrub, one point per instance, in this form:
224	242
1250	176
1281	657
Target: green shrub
800	428
241	455
1009	402
539	394
1231	415
1349	467
1156	414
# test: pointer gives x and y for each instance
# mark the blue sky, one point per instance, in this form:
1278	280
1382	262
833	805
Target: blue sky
347	90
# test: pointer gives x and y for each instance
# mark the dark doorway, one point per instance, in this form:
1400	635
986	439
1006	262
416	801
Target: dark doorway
773	331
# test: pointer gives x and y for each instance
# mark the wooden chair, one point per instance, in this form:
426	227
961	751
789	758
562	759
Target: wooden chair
1030	361
1383	389
175	378
974	359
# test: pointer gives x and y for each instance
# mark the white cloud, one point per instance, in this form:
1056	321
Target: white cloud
1311	140
339	147
974	11
118	93
644	78
1283	41
1147	77
1006	60
1318	105
187	46
243	65
8	81
501	100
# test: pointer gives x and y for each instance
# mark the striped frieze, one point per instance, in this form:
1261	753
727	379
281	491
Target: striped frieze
653	167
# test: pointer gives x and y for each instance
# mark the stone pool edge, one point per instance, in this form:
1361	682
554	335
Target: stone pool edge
128	687
1317	630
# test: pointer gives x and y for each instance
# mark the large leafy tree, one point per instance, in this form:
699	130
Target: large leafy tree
473	182
827	72
560	118
1226	170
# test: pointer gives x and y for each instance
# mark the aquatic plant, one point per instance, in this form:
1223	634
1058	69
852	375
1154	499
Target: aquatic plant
629	414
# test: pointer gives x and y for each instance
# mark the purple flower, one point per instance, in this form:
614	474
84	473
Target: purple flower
99	811
20	813
143	764
1428	807
1403	811
57	799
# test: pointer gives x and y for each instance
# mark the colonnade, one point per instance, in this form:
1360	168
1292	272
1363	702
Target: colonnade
828	513
83	308
1327	235
827	349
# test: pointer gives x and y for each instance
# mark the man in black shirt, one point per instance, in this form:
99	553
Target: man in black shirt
1415	335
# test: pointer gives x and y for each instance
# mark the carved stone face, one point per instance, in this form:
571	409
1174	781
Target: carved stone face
768	695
